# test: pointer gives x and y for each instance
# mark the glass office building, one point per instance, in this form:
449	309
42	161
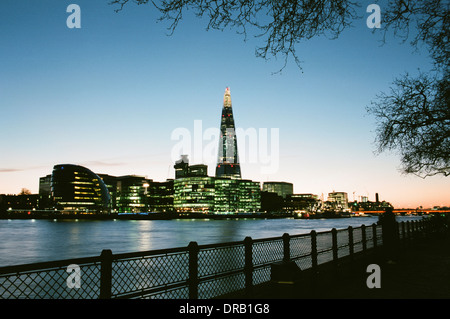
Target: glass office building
216	195
132	194
161	196
45	192
195	191
249	196
76	189
226	196
236	196
194	194
283	189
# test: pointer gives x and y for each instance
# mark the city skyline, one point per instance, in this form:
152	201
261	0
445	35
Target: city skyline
109	95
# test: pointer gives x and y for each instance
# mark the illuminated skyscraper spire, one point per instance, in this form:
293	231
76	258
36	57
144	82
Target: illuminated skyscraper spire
228	160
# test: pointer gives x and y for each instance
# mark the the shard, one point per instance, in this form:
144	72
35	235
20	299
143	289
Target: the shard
228	161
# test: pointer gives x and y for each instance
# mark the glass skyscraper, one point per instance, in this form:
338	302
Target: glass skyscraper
228	159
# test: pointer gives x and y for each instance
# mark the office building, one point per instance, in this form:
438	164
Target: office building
226	195
111	185
195	191
45	192
194	194
161	197
183	169
338	200
132	193
76	189
228	159
280	188
236	196
249	196
302	202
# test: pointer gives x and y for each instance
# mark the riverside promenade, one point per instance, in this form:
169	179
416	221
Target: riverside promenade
412	258
421	271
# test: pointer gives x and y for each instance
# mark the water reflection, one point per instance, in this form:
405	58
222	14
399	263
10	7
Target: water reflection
144	236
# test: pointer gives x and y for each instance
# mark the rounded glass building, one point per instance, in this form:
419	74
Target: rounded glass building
76	189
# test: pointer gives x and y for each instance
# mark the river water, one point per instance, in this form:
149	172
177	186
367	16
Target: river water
29	241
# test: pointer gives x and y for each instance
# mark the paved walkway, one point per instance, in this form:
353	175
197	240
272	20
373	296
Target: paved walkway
419	272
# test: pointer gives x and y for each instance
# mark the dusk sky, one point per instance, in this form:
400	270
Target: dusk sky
110	94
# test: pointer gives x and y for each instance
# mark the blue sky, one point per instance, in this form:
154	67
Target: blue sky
110	94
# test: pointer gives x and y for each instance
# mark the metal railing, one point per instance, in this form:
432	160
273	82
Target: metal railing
192	272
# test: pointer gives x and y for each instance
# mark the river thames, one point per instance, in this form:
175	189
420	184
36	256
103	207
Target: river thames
29	241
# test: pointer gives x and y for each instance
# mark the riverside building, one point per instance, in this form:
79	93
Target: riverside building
338	200
132	194
234	196
282	189
193	188
199	193
76	189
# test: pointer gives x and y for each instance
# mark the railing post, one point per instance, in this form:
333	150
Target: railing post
106	274
403	233
430	228
420	229
314	251
414	229
248	266
426	227
193	270
374	234
350	242
286	248
364	239
408	231
335	246
314	262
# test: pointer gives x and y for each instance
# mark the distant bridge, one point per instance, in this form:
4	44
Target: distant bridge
405	211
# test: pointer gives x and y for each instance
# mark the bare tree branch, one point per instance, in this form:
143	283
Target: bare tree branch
414	119
282	24
428	19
